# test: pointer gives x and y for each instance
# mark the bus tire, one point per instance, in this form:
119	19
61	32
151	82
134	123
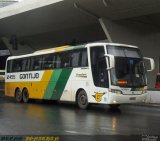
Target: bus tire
25	95
18	95
82	100
114	106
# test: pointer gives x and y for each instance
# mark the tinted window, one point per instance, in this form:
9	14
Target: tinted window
65	59
25	64
36	63
79	58
75	59
49	61
17	65
58	61
9	65
84	60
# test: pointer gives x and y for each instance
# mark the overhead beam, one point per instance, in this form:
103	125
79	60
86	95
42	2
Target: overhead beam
24	6
103	25
86	11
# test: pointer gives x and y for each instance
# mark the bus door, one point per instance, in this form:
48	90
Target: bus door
99	71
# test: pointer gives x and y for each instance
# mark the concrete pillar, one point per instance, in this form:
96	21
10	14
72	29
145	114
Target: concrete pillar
104	27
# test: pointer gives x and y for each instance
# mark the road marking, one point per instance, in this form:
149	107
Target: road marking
73	132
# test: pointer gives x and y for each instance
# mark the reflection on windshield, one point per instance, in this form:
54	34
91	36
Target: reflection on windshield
128	72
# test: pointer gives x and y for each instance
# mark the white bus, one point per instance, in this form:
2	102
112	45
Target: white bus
101	73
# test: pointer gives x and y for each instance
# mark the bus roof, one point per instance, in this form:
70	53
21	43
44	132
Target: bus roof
67	47
59	49
110	44
48	51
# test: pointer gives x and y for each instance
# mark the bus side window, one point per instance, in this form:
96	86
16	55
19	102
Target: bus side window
36	63
84	58
65	59
17	65
48	61
25	64
75	59
58	61
9	66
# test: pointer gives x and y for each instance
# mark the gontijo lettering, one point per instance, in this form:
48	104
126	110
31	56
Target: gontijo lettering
29	76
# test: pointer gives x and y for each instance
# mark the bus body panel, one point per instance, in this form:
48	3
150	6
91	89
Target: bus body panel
79	79
36	85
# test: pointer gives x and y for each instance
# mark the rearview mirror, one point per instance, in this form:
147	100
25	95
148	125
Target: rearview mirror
111	61
152	64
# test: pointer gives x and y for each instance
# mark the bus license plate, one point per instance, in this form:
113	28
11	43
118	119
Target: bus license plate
132	98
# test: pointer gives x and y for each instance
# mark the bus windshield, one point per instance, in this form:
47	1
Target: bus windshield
129	68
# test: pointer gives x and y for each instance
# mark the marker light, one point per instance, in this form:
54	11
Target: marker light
122	82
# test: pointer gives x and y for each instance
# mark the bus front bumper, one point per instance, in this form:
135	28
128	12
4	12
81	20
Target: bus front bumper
120	98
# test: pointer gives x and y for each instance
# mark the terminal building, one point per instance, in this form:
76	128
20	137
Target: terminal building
31	25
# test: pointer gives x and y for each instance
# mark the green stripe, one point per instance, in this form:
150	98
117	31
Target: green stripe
74	47
52	84
62	81
57	83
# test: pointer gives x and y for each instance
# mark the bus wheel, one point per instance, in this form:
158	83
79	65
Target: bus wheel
114	106
82	100
25	95
18	95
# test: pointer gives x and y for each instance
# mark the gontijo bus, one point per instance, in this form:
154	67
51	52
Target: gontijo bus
101	73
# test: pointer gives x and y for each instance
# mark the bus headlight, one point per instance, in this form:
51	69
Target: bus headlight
115	91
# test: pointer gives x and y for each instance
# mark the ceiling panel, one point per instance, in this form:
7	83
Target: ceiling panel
64	15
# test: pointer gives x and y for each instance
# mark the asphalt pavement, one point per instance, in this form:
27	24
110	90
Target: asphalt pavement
49	118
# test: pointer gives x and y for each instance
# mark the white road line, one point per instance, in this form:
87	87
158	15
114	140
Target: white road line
73	132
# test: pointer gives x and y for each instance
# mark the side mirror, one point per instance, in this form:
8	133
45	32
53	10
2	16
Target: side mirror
152	64
111	61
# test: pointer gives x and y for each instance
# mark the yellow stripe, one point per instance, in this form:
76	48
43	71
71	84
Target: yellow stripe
35	89
61	48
